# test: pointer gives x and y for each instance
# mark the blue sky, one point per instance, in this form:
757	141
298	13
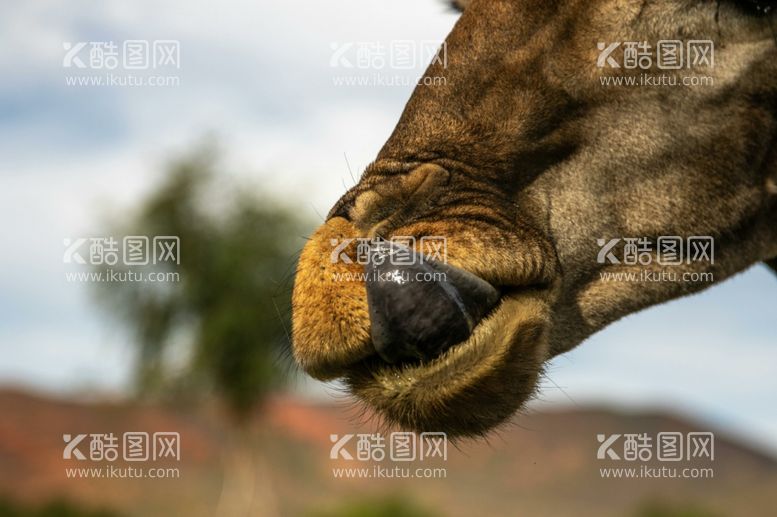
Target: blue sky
259	77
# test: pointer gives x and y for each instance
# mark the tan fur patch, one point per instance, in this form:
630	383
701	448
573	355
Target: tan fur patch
771	185
330	319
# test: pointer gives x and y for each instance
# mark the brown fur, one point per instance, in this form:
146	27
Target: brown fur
523	160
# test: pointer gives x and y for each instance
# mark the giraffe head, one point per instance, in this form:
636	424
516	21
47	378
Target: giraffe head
552	140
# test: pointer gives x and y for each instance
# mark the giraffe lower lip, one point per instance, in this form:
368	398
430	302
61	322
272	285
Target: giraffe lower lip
474	385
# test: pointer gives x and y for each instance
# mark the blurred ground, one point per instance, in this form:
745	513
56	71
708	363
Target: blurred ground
544	465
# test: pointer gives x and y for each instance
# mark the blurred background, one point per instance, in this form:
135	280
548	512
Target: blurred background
235	127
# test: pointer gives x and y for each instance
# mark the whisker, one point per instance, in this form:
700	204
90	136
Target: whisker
323	219
347	164
573	401
283	324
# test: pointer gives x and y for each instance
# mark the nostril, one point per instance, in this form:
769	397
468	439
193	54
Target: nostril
419	307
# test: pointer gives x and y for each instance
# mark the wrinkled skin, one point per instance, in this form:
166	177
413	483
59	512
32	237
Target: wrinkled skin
522	160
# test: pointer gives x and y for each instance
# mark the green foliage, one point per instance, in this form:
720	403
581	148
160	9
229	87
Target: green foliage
666	509
55	508
391	506
223	325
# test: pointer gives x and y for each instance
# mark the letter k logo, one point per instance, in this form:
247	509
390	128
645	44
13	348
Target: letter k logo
605	57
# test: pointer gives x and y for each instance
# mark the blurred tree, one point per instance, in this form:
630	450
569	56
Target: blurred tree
221	324
393	505
54	508
658	508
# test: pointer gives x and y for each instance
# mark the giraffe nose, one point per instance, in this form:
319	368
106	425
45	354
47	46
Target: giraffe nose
420	307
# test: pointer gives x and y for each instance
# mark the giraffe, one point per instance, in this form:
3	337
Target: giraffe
542	167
